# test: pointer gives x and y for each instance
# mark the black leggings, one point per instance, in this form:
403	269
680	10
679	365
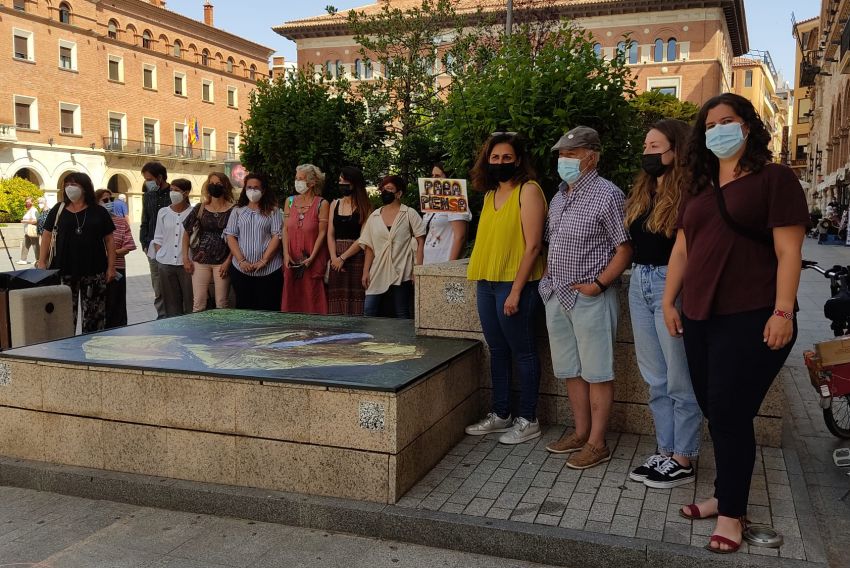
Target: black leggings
257	292
732	370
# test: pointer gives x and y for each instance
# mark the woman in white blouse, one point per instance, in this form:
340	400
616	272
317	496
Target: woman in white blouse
445	237
388	240
253	234
174	282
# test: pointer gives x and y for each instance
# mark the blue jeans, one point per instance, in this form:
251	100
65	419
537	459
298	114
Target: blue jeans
662	362
396	302
511	336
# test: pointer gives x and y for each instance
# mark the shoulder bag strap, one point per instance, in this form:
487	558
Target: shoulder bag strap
748	232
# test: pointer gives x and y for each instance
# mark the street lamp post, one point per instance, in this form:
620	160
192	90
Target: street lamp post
509	20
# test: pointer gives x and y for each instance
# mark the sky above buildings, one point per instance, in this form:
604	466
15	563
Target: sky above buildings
769	22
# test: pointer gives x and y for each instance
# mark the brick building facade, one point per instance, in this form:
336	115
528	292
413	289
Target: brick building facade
104	87
685	48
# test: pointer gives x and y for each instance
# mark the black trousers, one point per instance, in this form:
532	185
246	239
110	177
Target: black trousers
116	301
257	292
732	370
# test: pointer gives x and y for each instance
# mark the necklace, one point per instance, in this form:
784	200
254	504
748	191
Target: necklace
79	230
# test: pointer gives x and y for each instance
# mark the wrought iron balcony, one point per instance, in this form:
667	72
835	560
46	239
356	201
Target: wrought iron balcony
808	70
147	148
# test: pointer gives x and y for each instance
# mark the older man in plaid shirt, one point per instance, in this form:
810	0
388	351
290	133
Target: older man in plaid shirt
588	251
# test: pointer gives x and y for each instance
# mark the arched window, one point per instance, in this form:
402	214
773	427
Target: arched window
112	29
634	52
131	33
358	69
329	68
621	48
64	13
340	70
597	49
230	65
205	57
252	74
178	49
658	52
368	69
450	64
147	39
671	50
163	42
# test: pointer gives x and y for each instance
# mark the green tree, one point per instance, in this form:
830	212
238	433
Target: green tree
305	119
653	106
405	94
540	87
13	193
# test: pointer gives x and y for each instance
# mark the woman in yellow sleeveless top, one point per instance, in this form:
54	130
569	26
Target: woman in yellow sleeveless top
506	262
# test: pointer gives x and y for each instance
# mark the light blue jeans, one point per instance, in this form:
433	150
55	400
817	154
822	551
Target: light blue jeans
662	362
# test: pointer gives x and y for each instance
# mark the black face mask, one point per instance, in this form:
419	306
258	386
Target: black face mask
651	164
215	189
387	197
345	189
501	172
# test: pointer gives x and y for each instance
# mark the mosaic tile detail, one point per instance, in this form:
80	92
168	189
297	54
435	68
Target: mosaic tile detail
455	293
372	416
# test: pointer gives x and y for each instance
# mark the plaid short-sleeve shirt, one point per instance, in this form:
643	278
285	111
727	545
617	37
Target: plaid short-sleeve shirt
584	226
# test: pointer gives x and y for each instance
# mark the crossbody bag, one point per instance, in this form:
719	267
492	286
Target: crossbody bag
748	232
55	236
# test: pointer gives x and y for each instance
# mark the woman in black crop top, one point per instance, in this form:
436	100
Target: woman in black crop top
651	213
348	214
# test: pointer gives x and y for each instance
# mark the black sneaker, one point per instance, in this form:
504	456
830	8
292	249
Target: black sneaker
669	474
640	472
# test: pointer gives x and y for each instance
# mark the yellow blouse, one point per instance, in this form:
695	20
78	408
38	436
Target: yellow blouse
500	242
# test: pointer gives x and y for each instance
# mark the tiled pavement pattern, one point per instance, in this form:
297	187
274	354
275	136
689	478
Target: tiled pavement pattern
524	483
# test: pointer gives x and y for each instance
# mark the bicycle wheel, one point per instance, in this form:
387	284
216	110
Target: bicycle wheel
837	416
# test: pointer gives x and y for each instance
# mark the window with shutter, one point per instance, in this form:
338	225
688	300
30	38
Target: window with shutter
148	78
21	48
114	71
67	121
22	115
65	58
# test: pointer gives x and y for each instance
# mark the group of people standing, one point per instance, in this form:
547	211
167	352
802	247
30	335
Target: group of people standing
713	231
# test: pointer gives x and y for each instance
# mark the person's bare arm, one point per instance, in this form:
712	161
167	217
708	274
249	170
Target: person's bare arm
533	217
788	245
673	285
459	229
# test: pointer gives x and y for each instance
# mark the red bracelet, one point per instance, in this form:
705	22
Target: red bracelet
782	314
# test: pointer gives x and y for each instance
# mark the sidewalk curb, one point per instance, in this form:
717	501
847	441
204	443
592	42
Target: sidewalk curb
508	539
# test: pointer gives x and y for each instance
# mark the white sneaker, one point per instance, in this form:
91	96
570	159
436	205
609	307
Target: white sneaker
522	431
489	425
22	262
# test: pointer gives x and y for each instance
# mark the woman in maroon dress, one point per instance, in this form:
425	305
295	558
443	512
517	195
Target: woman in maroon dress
305	251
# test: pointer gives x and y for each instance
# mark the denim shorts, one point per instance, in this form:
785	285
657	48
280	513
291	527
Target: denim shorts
582	339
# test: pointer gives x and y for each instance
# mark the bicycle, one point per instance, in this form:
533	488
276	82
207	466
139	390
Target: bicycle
832	382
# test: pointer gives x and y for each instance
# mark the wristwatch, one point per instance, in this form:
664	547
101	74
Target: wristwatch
782	314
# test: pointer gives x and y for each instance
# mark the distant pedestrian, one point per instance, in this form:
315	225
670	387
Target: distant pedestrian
348	215
175	284
77	241
116	291
206	256
155	197
253	235
30	222
393	240
506	265
445	233
651	211
305	247
589	249
737	263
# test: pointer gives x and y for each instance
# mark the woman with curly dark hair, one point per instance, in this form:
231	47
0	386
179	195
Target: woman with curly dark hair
736	261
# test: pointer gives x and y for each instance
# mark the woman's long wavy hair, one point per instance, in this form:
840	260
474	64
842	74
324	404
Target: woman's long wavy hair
525	171
668	193
703	165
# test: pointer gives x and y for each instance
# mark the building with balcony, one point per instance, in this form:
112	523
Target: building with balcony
754	77
683	47
825	73
103	87
801	161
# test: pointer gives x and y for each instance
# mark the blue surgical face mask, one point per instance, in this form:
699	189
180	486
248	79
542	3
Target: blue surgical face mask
725	139
151	185
569	169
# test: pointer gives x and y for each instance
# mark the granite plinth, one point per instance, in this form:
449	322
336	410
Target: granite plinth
342	407
448	309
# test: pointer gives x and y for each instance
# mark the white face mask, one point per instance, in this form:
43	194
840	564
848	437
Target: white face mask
253	195
176	197
301	186
74	192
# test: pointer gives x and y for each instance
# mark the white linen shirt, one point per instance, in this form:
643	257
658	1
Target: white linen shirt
169	235
393	248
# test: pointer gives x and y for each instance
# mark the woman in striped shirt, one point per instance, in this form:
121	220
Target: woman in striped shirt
116	291
253	235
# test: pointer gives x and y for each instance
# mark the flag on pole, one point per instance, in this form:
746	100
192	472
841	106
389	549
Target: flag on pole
192	138
185	132
197	130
